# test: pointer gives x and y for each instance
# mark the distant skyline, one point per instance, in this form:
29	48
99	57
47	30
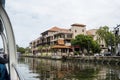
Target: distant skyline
29	18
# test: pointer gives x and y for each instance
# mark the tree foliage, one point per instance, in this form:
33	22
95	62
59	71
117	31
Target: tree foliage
27	50
86	42
95	47
105	35
20	49
40	48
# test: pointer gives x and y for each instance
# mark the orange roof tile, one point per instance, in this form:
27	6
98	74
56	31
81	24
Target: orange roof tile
79	25
54	29
59	46
59	29
91	32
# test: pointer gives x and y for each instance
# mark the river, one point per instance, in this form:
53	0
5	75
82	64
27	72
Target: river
45	69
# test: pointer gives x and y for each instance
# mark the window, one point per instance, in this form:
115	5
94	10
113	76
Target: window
69	36
83	30
75	30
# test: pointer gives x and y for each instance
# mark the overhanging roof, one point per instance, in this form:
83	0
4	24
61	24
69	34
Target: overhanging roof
60	47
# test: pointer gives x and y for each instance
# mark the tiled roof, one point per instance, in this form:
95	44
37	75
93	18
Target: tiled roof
60	47
59	29
54	29
79	25
91	32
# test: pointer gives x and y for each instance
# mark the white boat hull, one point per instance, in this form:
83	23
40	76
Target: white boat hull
10	41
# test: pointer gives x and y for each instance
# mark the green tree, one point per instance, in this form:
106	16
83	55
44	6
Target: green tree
109	39
95	47
117	39
27	50
103	34
85	42
40	48
21	49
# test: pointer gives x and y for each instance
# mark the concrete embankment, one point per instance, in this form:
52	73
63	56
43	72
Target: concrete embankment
112	60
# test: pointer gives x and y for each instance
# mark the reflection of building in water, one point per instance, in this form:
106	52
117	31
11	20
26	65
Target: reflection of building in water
108	74
58	70
102	74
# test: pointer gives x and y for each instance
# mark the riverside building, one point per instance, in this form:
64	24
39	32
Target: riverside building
57	41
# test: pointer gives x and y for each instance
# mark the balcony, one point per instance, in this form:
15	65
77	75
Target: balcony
57	39
67	44
68	38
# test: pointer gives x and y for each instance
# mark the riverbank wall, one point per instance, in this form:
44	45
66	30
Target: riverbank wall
112	60
104	60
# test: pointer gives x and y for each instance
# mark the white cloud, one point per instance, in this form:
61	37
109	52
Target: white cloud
31	17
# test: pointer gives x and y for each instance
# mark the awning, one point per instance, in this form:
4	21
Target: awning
60	47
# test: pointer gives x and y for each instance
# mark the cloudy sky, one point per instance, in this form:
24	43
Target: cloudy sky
31	17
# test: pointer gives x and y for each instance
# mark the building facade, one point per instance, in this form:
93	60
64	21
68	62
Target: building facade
59	39
77	29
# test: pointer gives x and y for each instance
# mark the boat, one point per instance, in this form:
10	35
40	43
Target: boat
9	45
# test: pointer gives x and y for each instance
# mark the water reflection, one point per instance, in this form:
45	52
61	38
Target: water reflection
70	70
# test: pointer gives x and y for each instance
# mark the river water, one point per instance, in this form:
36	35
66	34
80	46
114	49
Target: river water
45	69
